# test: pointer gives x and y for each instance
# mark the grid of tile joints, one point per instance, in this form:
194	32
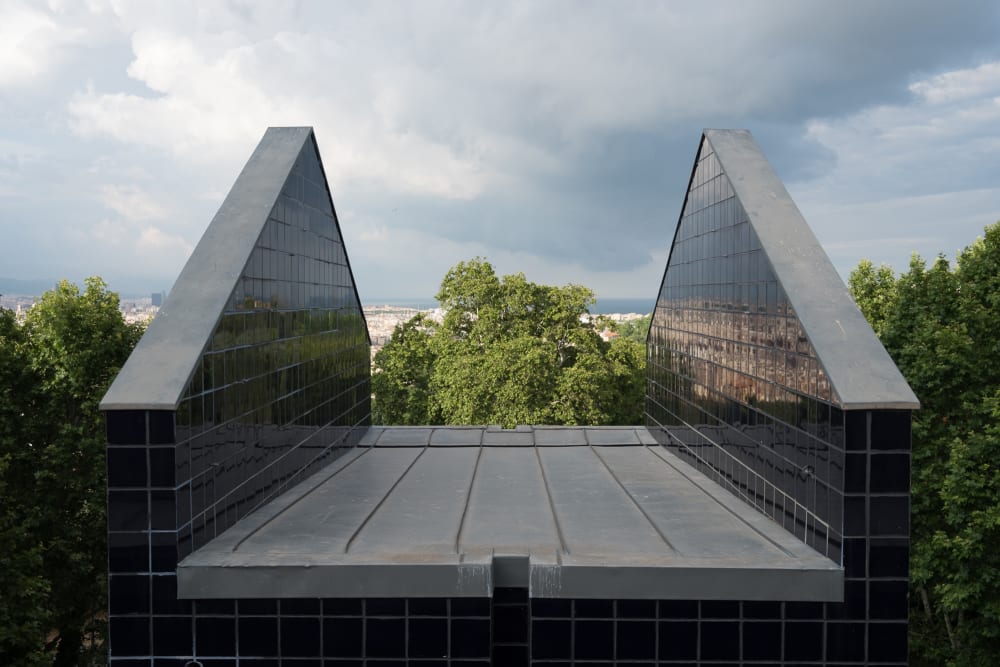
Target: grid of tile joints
734	381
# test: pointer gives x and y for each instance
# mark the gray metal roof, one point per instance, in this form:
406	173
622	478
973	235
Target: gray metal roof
457	511
860	370
159	368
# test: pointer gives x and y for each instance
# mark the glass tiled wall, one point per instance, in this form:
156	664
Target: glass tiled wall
733	379
283	386
285	377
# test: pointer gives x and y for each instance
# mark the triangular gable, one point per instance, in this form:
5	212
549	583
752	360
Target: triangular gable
274	248
753	302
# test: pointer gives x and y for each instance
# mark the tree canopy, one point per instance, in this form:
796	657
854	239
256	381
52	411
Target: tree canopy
939	323
507	351
54	369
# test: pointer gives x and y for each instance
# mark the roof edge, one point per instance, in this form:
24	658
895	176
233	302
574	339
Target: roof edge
861	372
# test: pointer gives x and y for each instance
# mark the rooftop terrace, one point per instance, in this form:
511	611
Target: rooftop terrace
456	511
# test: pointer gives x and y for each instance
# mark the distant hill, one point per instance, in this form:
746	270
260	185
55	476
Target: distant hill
16	287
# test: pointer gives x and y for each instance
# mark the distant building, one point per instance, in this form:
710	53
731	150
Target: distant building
158	298
759	516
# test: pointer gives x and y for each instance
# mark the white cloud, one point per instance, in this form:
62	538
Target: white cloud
131	202
919	176
208	103
154	242
27	38
962	84
36	37
110	232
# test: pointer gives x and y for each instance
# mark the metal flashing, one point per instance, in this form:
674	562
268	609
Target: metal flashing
612	520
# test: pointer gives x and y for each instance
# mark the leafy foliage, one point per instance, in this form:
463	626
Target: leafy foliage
939	323
508	352
636	330
23	587
55	369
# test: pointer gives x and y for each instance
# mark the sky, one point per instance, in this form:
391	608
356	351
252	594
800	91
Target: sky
550	137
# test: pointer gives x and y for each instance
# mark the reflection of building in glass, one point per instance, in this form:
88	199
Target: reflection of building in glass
769	398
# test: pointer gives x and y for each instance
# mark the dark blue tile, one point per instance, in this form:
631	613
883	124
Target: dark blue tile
762	610
856	430
161	427
890	515
720	640
215	636
128	511
845	641
427	638
510	624
762	641
129	635
128	594
594	608
470	638
161	466
594	640
550	640
422	607
470	606
165	596
635	608
887	642
803	641
126	427
678	609
551	608
128	552
163	510
385	607
890	429
890	473
172	636
887	600
257	607
804	610
721	609
385	637
300	607
300	637
342	637
163	552
127	467
889	557
344	607
855	604
635	640
678	640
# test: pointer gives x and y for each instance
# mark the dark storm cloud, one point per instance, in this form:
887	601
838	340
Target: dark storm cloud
559	133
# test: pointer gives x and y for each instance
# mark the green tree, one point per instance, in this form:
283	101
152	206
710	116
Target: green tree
402	377
23	588
939	323
636	330
508	352
69	349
